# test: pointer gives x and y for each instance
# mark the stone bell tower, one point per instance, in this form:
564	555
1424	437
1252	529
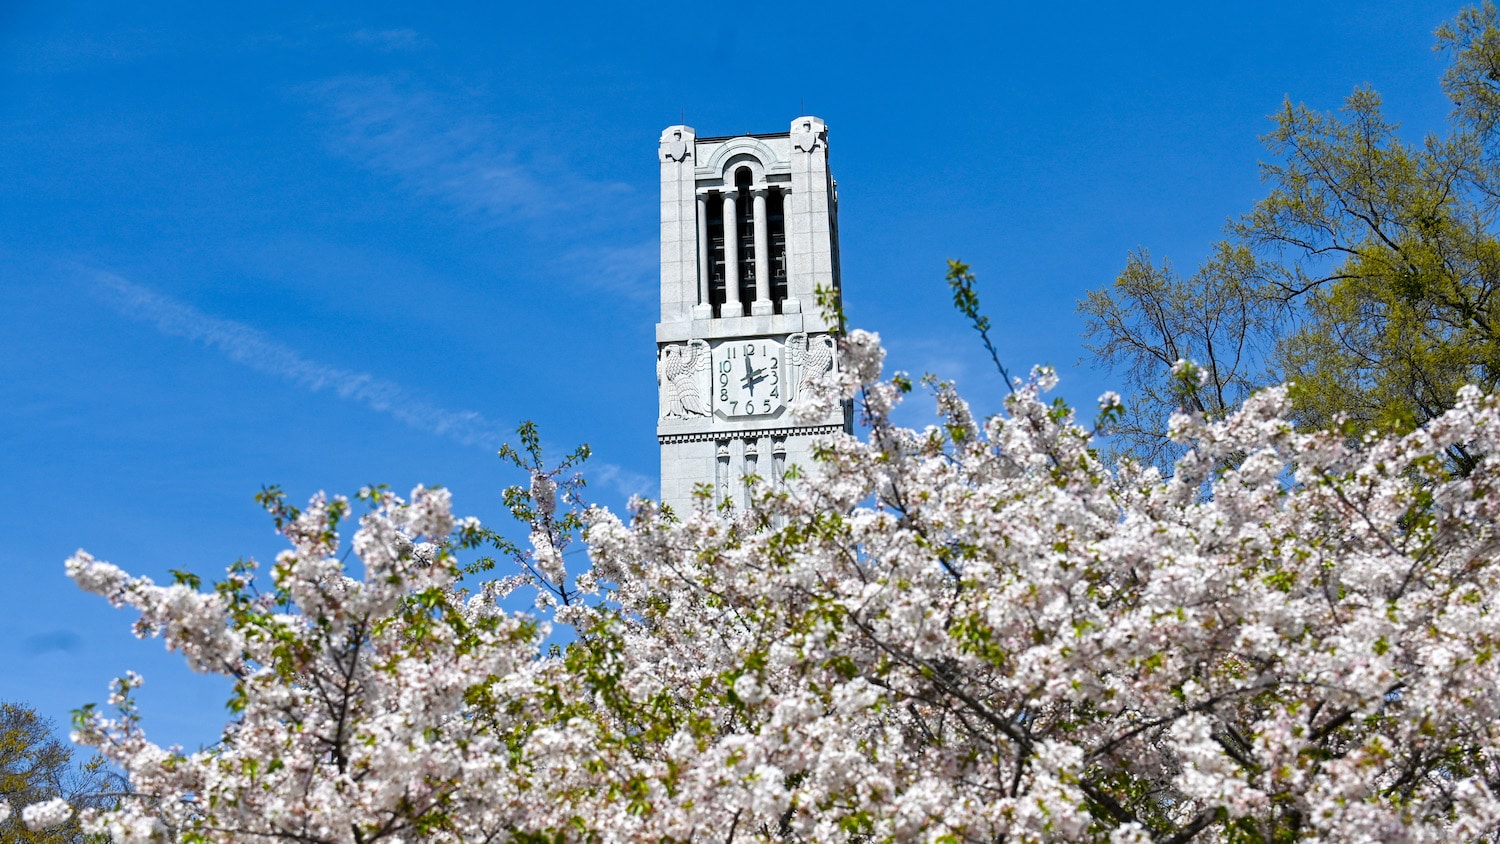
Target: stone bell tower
749	232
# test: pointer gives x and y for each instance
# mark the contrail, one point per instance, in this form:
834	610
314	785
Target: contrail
253	348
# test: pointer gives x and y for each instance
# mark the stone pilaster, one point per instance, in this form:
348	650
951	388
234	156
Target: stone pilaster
679	235
809	223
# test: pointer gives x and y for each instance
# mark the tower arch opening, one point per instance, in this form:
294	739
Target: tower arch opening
744	228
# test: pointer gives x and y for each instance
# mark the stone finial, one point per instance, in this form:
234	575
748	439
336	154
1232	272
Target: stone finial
809	133
677	143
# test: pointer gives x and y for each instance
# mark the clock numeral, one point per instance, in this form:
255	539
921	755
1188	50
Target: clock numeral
775	393
732	406
768	405
724	394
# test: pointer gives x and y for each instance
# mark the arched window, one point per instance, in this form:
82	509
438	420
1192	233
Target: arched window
742	229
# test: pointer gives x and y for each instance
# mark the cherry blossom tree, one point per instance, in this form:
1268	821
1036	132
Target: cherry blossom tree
979	631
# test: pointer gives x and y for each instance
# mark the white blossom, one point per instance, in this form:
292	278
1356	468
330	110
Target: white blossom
45	815
544	494
973	632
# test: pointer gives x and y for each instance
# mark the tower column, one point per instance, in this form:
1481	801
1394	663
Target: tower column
732	306
705	307
762	256
791	304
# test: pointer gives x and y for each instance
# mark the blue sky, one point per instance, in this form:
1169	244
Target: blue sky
323	245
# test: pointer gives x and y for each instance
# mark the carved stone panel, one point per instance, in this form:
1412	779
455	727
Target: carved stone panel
676	144
682	379
809	133
812	356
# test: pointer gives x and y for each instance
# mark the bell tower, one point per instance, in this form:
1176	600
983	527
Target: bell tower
749	233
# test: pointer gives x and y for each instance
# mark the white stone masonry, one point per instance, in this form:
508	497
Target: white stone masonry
726	381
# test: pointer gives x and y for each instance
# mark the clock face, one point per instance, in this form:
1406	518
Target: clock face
749	378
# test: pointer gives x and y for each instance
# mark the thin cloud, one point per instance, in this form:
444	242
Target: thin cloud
390	40
253	348
623	481
258	351
434	149
445	147
82	51
630	271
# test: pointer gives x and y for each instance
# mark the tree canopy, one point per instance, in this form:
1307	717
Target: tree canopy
974	632
37	769
1367	276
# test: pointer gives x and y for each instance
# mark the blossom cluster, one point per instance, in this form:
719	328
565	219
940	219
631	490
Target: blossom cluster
979	631
46	814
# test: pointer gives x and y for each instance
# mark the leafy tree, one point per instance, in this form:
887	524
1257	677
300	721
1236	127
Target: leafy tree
1368	276
35	768
1221	318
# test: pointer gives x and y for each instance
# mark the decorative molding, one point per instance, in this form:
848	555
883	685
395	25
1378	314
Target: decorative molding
706	436
753	147
723	328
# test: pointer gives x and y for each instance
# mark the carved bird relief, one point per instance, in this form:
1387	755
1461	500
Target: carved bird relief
677	375
813	355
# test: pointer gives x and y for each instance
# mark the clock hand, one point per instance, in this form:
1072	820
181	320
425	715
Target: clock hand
752	377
